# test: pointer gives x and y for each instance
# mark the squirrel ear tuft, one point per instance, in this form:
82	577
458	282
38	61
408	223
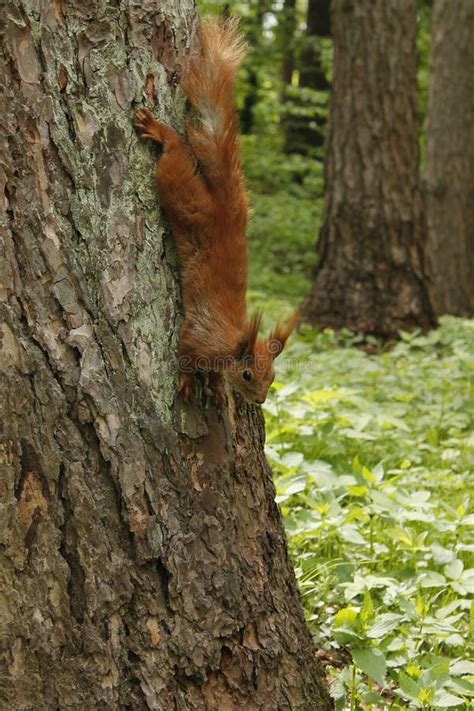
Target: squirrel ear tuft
280	334
242	349
246	346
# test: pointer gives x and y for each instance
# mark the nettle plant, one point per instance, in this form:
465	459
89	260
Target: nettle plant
373	457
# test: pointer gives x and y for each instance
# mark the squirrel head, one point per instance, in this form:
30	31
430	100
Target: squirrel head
251	371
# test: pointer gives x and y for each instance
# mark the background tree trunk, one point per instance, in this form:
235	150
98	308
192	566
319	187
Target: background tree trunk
144	563
254	36
370	274
450	158
286	31
305	131
317	25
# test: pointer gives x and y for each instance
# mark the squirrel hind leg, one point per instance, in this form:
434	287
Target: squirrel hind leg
148	127
185	386
216	389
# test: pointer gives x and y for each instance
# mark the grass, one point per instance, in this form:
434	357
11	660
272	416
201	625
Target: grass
373	458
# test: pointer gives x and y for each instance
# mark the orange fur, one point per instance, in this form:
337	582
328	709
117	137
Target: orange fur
202	193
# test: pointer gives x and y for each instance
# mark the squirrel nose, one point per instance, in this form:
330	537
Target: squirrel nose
260	402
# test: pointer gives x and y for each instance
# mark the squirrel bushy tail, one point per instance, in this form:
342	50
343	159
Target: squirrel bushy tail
209	84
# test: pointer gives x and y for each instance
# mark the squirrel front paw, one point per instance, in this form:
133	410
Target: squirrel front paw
147	126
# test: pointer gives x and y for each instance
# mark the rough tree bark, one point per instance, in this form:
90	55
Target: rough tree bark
450	158
144	563
370	274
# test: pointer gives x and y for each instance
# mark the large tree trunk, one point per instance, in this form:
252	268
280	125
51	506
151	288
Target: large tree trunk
370	274
450	158
144	563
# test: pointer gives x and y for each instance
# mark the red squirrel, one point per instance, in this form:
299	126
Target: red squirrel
202	194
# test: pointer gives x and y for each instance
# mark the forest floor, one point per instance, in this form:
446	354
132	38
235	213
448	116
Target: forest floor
373	457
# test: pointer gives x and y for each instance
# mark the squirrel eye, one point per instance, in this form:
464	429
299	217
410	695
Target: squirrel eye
247	375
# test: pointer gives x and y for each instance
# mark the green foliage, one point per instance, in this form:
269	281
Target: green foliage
373	458
286	200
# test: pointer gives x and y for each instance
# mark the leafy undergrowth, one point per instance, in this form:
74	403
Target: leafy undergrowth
373	459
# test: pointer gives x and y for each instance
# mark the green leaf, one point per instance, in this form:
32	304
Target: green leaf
372	662
408	608
347	627
371	698
447	610
288	485
384	624
454	640
347	616
461	667
367	610
432	579
441	555
409	687
336	689
437	675
443	699
292	459
368	476
357	490
454	569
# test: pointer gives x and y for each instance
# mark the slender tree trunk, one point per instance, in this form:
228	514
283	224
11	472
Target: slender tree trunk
450	158
247	118
144	563
305	129
317	25
370	274
286	31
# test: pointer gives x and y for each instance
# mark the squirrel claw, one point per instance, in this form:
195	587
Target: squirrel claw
147	126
